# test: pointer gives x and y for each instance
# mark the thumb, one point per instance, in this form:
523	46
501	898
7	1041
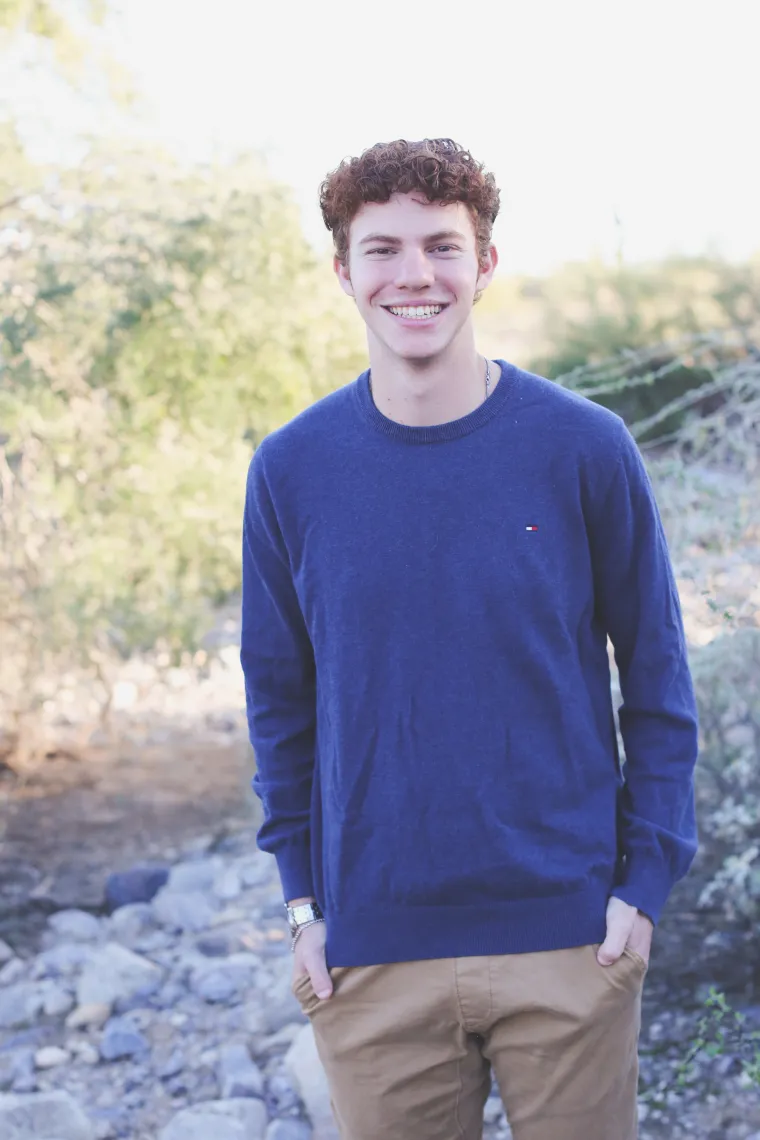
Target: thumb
320	979
620	919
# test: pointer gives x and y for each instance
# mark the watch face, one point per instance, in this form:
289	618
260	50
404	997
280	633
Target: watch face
298	914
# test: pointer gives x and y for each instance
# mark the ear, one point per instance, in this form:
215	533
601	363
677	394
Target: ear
341	272
487	268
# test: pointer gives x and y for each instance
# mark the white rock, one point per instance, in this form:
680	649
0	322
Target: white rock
239	1119
74	926
115	973
195	875
42	1116
5	952
305	1069
50	1056
95	1014
183	910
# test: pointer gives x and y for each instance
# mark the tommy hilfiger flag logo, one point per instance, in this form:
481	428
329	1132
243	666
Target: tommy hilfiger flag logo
531	528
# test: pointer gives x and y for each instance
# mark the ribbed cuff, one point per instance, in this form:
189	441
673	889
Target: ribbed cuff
646	889
294	866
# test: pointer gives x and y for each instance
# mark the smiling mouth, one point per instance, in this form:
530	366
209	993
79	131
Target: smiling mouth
415	312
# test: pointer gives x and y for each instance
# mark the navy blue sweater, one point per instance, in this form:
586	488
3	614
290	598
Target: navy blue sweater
424	644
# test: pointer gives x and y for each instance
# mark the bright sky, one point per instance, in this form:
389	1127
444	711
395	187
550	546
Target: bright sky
582	109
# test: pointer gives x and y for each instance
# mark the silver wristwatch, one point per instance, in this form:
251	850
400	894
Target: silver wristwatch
304	914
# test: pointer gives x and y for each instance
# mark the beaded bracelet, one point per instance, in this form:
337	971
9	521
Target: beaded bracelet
303	926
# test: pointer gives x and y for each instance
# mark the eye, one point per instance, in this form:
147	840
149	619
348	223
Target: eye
380	251
447	247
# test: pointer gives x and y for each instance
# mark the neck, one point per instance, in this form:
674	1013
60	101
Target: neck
434	390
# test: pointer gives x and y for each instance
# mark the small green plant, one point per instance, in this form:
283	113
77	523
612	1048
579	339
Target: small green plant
722	1030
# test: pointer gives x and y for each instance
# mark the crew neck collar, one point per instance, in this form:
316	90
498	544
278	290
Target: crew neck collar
437	433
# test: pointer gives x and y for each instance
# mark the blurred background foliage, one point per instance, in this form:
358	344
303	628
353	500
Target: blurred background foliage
155	324
158	319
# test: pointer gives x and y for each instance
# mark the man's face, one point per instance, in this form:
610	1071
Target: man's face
410	254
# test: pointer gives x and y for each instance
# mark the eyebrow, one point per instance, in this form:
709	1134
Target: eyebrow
442	235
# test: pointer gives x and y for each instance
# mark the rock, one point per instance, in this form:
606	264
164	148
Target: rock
278	1005
57	1001
168	996
285	1129
281	1097
257	870
130	922
12	971
50	1056
152	941
237	1074
86	1052
20	1005
281	1040
74	926
121	1039
253	1018
227	885
173	1065
64	961
43	1116
183	910
178	990
493	1110
195	875
243	1119
139	884
114	973
305	1070
95	1014
217	986
224	980
17	1065
218	945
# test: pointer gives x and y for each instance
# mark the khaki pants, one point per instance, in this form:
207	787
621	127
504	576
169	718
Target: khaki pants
409	1047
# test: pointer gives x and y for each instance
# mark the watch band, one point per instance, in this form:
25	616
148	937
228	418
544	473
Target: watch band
303	915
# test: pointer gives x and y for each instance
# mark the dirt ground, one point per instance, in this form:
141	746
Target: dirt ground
73	821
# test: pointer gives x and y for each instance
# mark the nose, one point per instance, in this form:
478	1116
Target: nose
413	270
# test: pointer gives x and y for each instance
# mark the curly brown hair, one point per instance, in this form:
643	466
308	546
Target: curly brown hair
439	168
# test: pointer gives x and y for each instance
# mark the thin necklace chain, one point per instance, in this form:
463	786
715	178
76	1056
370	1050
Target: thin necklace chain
488	378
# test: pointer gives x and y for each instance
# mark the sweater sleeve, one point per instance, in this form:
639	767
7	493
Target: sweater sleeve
278	667
637	601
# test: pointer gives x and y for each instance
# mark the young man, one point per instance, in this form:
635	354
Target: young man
433	558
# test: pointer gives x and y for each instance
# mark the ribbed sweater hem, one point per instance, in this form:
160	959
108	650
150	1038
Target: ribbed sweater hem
368	938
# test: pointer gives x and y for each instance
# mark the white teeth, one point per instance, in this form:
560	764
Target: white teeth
416	312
